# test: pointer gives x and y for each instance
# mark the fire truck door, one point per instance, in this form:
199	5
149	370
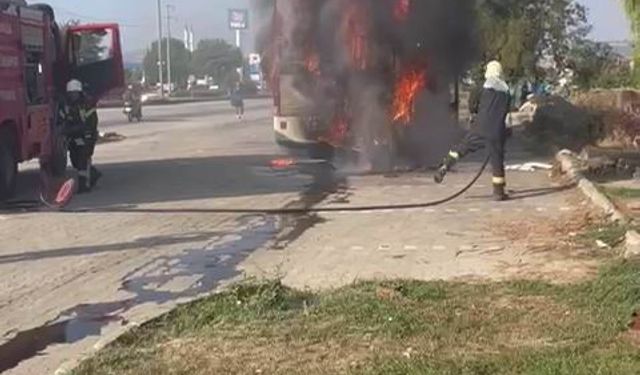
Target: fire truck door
95	58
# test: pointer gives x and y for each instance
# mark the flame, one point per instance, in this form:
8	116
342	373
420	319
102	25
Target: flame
401	9
337	134
408	86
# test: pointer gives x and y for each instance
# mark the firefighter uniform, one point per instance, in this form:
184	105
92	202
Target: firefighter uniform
81	124
489	130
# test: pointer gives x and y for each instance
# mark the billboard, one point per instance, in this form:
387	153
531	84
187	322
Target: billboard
238	19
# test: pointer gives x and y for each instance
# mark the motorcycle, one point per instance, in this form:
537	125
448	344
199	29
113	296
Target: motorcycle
132	112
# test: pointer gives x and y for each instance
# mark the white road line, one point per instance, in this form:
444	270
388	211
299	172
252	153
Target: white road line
439	248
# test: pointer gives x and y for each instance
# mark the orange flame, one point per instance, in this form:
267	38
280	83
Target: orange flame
401	9
337	134
408	86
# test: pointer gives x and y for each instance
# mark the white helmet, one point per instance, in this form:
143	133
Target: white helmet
494	70
74	86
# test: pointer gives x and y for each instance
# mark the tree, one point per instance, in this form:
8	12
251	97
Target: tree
523	34
596	65
218	59
632	7
180	62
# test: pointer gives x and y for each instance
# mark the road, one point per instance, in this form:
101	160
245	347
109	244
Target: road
150	237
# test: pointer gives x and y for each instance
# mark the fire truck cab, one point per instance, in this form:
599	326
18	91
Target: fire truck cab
37	58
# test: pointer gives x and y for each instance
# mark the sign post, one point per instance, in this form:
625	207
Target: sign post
238	21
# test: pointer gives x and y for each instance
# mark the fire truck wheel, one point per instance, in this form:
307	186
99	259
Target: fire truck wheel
8	164
59	157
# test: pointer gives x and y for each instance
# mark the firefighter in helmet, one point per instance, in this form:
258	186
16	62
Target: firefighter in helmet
80	118
488	131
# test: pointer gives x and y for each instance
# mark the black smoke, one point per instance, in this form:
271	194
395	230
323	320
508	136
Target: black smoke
438	35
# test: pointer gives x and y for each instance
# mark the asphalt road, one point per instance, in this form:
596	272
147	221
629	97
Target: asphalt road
149	236
113	117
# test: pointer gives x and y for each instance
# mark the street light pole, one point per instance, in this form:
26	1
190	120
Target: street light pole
169	81
160	65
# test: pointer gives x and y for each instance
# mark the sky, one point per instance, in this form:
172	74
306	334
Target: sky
209	18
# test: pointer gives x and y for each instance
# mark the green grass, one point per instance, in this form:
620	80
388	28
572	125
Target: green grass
622	193
400	327
611	234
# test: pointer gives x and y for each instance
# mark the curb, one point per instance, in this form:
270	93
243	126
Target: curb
572	166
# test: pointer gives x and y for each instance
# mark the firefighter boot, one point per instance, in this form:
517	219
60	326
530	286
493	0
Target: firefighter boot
499	193
446	165
96	175
83	185
84	180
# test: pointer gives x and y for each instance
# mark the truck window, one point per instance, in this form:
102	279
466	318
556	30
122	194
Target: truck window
92	47
34	76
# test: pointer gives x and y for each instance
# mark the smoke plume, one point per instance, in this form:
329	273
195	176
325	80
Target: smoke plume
376	73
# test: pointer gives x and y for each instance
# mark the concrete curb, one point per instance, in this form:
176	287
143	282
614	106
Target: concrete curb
571	165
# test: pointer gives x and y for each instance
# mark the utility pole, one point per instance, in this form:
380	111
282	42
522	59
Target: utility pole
169	81
160	67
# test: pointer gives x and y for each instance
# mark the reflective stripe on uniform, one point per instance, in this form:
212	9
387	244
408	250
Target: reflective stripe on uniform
85	114
454	155
499	181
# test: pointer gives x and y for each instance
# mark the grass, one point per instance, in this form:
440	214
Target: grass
399	327
611	234
622	193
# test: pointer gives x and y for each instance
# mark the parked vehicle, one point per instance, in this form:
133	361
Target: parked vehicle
37	60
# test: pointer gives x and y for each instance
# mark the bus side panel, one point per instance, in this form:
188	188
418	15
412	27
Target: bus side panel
12	105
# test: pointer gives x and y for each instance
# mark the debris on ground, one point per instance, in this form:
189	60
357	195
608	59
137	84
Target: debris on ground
558	124
529	167
110	137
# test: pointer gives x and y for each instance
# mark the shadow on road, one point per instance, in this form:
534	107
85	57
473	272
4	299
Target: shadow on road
178	180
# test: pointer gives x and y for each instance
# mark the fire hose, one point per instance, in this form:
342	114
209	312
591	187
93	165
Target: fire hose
32	205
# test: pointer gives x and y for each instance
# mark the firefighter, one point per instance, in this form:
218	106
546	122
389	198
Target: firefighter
80	118
488	130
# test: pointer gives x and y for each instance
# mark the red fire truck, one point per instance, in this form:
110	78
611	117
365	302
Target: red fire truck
37	58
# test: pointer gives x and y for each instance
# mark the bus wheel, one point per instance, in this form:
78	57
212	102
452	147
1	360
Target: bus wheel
8	164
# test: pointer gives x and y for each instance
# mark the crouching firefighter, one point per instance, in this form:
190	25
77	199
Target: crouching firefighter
81	127
489	130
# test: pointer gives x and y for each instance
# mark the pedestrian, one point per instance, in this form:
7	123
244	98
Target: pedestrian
488	131
80	119
237	101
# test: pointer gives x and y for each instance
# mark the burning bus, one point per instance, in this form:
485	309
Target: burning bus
373	76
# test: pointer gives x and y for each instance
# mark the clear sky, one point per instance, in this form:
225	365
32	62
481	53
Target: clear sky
208	17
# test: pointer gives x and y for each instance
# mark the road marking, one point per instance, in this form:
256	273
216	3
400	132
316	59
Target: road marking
384	247
565	209
474	209
439	248
410	247
429	210
541	209
357	248
451	211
